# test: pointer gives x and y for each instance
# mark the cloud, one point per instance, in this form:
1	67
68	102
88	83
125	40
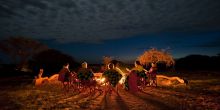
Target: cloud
98	20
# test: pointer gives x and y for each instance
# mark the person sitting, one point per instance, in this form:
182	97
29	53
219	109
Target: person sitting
139	69
64	75
135	74
152	74
117	68
39	80
40	73
112	76
85	75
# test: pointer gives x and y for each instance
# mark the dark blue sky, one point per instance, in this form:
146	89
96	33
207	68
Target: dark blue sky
179	44
90	29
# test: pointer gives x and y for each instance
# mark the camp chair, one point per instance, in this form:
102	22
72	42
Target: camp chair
73	81
82	85
142	80
152	79
70	81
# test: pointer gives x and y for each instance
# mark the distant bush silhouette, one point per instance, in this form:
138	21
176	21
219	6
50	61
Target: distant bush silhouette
198	62
52	61
10	70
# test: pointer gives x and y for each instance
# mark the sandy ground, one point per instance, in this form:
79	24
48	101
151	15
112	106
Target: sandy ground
52	96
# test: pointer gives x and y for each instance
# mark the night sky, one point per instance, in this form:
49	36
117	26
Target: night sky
91	29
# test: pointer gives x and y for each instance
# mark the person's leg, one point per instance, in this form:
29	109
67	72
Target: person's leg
155	80
66	86
116	87
107	88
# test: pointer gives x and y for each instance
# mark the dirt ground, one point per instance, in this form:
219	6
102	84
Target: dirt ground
25	96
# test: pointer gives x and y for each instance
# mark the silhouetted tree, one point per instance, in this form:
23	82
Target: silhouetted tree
156	56
20	49
53	60
198	62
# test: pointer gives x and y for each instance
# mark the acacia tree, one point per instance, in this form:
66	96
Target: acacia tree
154	56
20	49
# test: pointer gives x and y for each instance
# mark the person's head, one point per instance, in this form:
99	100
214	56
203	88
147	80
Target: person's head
41	70
66	65
111	66
137	63
115	62
153	65
84	65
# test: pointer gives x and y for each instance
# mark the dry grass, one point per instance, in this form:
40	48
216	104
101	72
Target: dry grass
202	92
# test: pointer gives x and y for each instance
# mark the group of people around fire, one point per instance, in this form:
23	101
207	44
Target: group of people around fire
130	80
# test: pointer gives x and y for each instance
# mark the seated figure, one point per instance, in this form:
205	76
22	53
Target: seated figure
64	73
64	76
39	80
152	74
112	77
85	77
136	77
84	73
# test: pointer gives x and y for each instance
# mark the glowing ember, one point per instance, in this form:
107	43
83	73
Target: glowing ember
102	80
